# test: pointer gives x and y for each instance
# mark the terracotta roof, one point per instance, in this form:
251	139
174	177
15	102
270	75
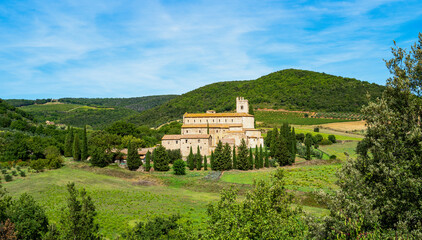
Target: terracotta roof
235	131
171	137
195	136
196	115
211	125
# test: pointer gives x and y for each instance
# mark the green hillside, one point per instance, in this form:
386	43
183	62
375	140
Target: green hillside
11	116
288	89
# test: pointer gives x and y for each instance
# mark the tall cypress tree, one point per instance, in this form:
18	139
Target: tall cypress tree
191	162
282	153
76	148
161	159
250	159
261	157
212	160
266	158
84	152
242	156
227	151
257	163
274	142
133	160
293	146
234	158
308	144
205	163
218	163
148	161
68	147
198	159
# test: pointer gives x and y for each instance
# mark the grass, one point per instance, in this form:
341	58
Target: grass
50	107
338	136
273	118
339	149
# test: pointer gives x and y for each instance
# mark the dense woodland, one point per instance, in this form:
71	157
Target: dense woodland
288	89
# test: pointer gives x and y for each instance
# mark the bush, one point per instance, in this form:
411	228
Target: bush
316	129
22	173
332	138
4	171
179	167
8	178
333	157
38	165
325	142
14	173
18	168
318	138
22	164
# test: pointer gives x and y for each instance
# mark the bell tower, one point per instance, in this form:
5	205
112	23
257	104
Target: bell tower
242	105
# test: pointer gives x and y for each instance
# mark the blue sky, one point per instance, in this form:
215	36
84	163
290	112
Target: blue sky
53	49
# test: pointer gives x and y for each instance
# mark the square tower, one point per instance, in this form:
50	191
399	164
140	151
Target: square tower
242	105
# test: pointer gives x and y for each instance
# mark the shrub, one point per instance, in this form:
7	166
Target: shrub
179	167
325	142
38	165
8	178
14	173
4	171
18	168
316	129
318	138
332	138
22	173
22	164
333	157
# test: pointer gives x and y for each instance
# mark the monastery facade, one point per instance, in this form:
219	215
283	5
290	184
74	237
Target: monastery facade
207	129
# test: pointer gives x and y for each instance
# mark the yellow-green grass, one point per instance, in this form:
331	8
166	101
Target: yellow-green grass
119	203
50	107
273	118
338	135
339	149
306	178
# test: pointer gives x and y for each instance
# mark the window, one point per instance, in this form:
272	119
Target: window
226	120
177	142
219	120
232	119
241	107
199	120
216	130
213	120
186	131
193	120
186	141
199	140
199	131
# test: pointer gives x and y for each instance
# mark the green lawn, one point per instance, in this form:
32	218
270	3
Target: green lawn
272	119
339	149
339	135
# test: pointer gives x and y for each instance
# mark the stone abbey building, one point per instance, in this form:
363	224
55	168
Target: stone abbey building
207	129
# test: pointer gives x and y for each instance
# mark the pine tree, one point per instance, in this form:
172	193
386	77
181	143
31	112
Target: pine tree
161	159
190	160
266	160
198	159
242	156
234	158
76	149
257	163
205	163
227	162
250	162
84	152
133	160
293	146
68	147
148	161
282	153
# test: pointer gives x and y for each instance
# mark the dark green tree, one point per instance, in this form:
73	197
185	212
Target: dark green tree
218	163
332	138
242	156
261	157
282	153
198	159
148	161
191	160
133	159
274	142
227	162
212	160
257	163
250	159
161	159
77	220
99	158
84	151
234	158
205	163
76	148
179	167
68	147
266	158
308	145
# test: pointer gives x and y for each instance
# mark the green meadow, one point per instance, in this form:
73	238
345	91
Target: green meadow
273	118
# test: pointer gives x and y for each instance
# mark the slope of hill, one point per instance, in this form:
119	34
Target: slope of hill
136	103
289	89
12	116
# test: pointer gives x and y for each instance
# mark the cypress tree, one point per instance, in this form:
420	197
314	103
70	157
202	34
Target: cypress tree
257	163
205	163
308	144
84	152
250	164
161	159
212	160
227	151
282	154
266	160
293	146
68	147
274	141
208	128
133	160
198	159
148	161
191	163
234	158
242	156
218	163
261	157
76	149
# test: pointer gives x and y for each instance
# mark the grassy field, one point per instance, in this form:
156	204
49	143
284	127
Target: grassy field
273	118
339	149
50	107
338	135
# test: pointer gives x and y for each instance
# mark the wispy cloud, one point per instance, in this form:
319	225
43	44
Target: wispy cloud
137	48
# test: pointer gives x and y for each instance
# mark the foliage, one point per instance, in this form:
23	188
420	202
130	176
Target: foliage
234	158
179	167
290	88
77	220
308	144
276	118
84	146
265	213
133	159
148	161
325	141
382	187
7	230
316	129
191	160
76	149
99	158
161	159
205	163
242	156
332	138
68	147
174	155
222	157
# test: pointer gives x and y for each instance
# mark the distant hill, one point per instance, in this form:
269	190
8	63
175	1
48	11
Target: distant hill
136	103
11	116
289	89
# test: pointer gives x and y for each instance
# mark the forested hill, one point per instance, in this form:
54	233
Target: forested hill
289	89
11	116
136	103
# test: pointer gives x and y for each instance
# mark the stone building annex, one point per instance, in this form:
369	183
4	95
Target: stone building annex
207	129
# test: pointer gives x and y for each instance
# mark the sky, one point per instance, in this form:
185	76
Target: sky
80	48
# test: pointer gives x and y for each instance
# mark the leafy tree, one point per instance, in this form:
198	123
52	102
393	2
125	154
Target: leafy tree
179	167
318	138
99	158
382	190
84	150
121	128
205	163
53	158
161	159
133	159
29	218
148	161
242	156
234	158
332	138
250	110
68	148
76	149
265	213
174	155
191	160
77	220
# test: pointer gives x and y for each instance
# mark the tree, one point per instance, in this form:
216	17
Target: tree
332	138
282	153
161	159
148	161
242	156
234	158
191	160
77	220
99	158
257	163
250	110
227	157
274	141
29	218
212	160
265	213
308	144
382	190
261	157
205	163
198	159
133	160
250	159
76	149
218	163
84	151
68	148
266	160
179	167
